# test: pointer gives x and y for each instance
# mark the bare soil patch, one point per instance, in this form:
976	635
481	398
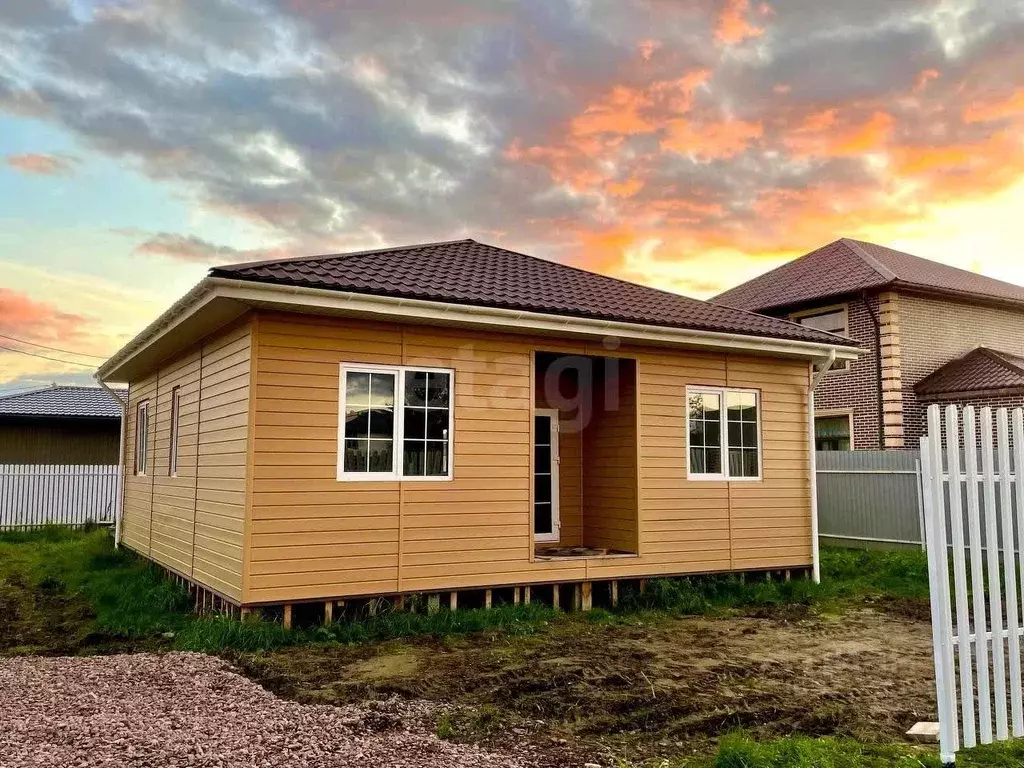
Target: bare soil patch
642	689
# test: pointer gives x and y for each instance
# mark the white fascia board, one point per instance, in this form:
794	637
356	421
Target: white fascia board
298	298
511	320
198	297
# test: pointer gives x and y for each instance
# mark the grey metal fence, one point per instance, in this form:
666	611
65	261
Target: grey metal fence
34	495
870	497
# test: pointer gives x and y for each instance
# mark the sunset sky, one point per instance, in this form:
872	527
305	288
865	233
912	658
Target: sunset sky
686	144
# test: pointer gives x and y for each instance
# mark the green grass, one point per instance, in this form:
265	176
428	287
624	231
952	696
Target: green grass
68	590
102	593
738	751
219	634
61	590
847	574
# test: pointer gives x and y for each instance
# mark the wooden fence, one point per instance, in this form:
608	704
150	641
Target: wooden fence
34	495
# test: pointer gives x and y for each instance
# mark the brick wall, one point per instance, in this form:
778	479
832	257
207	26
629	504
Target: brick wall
935	331
855	388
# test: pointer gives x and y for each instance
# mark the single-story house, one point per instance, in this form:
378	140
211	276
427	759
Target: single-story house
914	317
457	416
60	425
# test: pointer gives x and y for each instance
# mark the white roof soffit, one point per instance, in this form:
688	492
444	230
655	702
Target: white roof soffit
217	301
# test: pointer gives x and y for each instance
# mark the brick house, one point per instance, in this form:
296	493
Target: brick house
936	334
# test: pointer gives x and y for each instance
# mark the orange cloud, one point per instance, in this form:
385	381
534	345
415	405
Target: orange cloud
713	140
618	112
733	27
584	157
39	322
824	134
626	188
42	165
924	78
985	113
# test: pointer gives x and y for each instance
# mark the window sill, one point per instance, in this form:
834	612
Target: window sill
722	479
392	479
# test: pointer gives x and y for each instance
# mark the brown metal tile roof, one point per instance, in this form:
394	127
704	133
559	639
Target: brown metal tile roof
472	273
980	370
850	266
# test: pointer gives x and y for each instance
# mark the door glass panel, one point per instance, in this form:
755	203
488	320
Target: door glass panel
542	523
543	480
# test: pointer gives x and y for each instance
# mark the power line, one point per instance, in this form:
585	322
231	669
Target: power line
52	349
44	357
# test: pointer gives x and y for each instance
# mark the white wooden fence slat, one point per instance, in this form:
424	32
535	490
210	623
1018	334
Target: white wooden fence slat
942	630
1018	450
995	589
981	650
963	621
1009	570
60	494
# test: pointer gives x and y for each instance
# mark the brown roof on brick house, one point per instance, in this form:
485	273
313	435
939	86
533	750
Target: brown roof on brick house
472	273
850	266
980	370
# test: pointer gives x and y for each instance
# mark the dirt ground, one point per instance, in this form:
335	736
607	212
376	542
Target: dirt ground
635	691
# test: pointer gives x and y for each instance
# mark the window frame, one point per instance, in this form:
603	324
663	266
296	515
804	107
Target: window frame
398	429
833	414
141	439
839	366
724	476
172	458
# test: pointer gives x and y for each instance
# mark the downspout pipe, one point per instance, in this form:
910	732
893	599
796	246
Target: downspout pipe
877	325
815	547
119	491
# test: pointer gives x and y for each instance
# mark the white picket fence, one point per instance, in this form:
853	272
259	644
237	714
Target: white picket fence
970	503
33	495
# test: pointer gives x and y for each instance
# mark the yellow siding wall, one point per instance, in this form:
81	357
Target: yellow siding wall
193	522
610	465
312	536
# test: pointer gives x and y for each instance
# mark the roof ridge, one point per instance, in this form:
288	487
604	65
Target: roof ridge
35	391
1000	358
56	387
389	249
871	261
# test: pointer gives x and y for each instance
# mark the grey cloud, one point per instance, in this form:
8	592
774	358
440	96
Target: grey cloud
334	123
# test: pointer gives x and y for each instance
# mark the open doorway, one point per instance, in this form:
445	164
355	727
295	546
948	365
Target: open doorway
585	456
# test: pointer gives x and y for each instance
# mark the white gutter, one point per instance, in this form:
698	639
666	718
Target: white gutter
248	291
119	497
523	321
815	546
166	321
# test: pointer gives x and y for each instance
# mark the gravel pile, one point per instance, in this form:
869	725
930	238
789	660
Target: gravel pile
184	709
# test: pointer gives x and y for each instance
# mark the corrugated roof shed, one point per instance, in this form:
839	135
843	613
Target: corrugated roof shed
472	273
63	402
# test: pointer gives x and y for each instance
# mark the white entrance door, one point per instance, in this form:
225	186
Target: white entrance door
545	475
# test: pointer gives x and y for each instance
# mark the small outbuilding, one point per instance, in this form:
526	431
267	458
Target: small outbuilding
456	416
60	425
